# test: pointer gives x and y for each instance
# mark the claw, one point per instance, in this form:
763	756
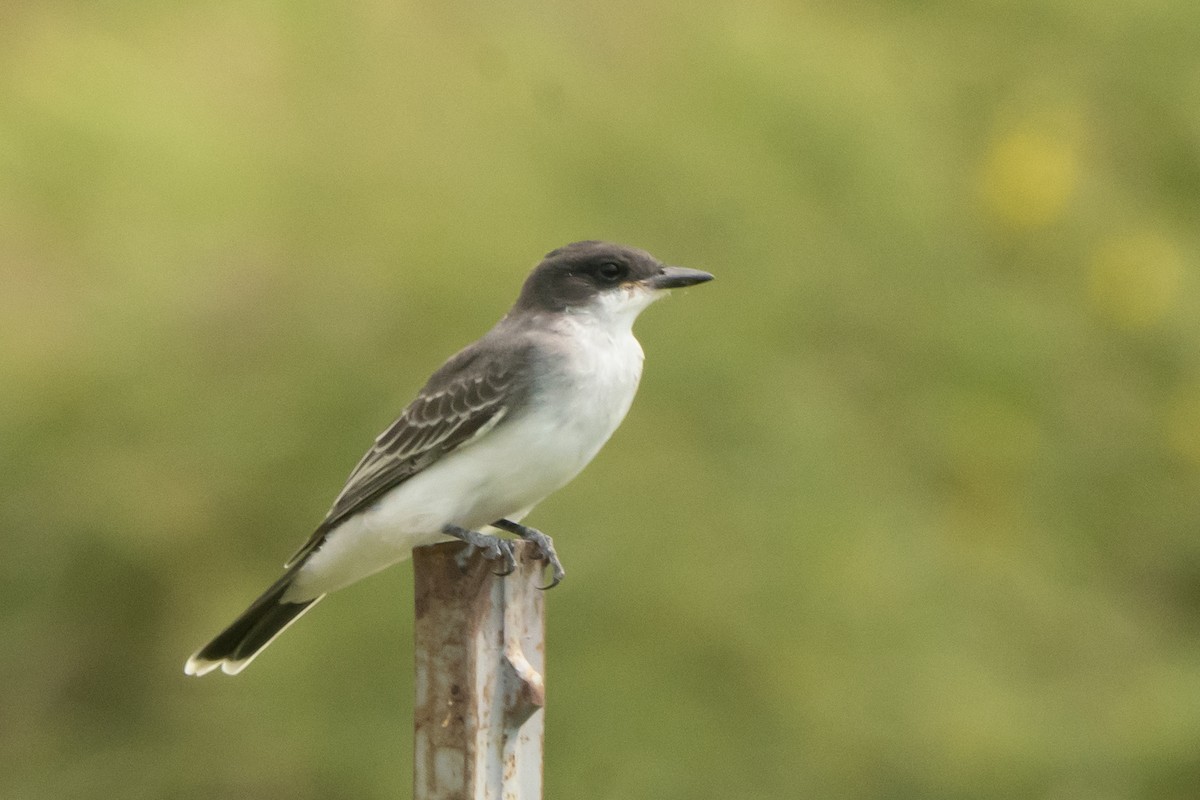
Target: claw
544	548
558	573
504	549
546	553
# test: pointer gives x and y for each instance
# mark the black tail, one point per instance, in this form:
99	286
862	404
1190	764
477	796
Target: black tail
237	645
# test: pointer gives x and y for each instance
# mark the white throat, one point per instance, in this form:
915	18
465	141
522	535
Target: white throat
616	309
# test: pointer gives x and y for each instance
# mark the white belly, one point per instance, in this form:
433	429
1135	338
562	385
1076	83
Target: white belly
501	475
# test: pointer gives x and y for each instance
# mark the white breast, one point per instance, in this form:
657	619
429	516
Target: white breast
584	401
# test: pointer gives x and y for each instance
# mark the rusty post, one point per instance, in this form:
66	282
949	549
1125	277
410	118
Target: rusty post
480	654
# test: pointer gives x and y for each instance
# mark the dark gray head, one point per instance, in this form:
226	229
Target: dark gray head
602	277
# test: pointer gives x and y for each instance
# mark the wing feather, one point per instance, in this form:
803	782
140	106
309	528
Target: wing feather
465	398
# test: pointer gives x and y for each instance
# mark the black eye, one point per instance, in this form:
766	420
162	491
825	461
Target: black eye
611	272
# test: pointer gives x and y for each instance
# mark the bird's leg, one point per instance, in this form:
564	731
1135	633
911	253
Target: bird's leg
543	543
493	548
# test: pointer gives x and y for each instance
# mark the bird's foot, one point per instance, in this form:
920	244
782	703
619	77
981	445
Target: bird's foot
493	548
542	542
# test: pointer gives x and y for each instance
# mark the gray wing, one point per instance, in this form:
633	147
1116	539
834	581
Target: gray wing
470	394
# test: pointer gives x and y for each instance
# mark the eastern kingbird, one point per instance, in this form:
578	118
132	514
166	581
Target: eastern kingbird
505	422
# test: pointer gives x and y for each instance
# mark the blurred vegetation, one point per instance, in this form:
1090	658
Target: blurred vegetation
908	504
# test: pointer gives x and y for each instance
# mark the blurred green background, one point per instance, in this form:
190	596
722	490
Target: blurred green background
907	506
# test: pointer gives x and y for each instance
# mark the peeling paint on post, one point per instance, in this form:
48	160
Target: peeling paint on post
480	654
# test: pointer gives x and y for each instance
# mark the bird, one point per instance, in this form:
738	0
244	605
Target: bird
501	425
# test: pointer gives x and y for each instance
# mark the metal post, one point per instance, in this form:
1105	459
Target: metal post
480	652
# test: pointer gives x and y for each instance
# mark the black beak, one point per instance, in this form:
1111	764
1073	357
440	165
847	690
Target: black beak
677	278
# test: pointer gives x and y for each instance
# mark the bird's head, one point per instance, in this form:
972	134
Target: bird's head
601	278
